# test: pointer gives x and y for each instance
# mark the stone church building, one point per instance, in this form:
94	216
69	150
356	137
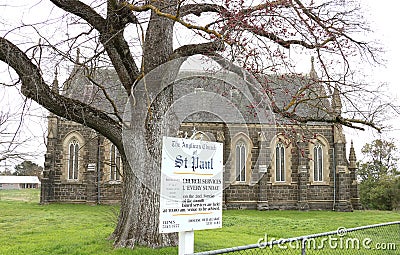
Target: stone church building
298	167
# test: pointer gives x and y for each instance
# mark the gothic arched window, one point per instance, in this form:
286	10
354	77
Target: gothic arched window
318	162
280	163
73	160
281	160
240	165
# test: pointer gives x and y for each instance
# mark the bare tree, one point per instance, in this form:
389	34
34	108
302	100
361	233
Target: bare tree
7	150
11	141
136	37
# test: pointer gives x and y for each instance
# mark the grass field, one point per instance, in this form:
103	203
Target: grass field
29	228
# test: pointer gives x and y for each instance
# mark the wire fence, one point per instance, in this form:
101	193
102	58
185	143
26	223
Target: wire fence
373	239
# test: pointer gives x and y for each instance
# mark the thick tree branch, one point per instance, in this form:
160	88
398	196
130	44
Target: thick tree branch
124	13
33	86
202	48
111	36
84	11
115	44
118	50
198	9
174	18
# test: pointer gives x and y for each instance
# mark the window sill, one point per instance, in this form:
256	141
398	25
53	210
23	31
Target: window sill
237	183
285	183
323	183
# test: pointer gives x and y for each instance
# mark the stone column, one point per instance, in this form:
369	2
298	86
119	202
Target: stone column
90	181
263	162
343	204
48	180
354	192
46	188
343	180
303	188
303	172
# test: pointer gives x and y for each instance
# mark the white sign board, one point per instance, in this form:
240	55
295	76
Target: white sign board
191	185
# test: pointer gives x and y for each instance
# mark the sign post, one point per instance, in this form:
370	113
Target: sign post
186	242
191	188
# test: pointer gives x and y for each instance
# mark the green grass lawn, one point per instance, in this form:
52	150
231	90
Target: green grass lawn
29	228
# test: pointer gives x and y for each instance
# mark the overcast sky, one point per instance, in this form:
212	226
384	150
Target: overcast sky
384	19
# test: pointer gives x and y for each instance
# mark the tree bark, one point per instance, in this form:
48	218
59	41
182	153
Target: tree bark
139	218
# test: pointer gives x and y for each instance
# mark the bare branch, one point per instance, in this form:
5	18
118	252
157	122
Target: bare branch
174	18
34	87
103	89
84	11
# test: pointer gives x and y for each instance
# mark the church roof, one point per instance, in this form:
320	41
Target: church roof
299	94
100	88
303	94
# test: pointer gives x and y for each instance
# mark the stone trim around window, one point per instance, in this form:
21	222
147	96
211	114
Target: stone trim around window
108	164
70	138
243	139
319	142
285	143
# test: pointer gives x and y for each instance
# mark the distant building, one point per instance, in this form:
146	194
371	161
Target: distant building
19	182
282	171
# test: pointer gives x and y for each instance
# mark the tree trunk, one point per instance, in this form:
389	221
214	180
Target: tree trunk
139	217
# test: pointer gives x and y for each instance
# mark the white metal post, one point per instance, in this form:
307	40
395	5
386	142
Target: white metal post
186	242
